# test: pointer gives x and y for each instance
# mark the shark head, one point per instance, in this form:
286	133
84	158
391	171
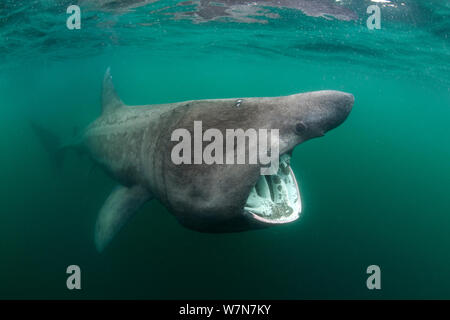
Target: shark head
275	199
229	197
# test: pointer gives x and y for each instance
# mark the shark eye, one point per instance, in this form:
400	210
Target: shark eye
300	128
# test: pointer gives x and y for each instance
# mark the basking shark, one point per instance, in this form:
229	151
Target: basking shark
134	145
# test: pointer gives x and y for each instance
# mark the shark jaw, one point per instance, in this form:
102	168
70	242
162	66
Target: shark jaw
275	199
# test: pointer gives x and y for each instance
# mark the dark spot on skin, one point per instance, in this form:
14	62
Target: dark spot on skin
300	128
279	188
276	179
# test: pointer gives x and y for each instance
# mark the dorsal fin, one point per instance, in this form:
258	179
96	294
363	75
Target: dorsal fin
110	99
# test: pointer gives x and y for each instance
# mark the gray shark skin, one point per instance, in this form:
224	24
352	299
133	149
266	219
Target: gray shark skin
133	144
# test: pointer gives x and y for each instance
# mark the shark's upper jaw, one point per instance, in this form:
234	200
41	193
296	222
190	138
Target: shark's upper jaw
275	199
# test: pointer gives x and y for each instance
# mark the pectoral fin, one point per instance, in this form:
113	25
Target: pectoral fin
120	206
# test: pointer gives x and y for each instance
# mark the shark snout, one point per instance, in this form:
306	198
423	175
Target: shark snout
347	101
337	108
340	102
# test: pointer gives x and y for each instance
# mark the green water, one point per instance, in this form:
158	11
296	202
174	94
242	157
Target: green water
375	190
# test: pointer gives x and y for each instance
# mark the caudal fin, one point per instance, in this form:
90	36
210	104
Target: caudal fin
51	144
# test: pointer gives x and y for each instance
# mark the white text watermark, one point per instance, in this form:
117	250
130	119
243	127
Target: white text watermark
237	147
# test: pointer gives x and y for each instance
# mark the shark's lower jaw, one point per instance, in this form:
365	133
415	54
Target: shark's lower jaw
275	199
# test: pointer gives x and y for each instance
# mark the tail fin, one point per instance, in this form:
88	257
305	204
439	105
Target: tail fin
51	144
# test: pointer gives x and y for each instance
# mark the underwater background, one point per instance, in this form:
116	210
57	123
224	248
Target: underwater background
375	190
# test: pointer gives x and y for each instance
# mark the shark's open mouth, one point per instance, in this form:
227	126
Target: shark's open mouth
275	199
